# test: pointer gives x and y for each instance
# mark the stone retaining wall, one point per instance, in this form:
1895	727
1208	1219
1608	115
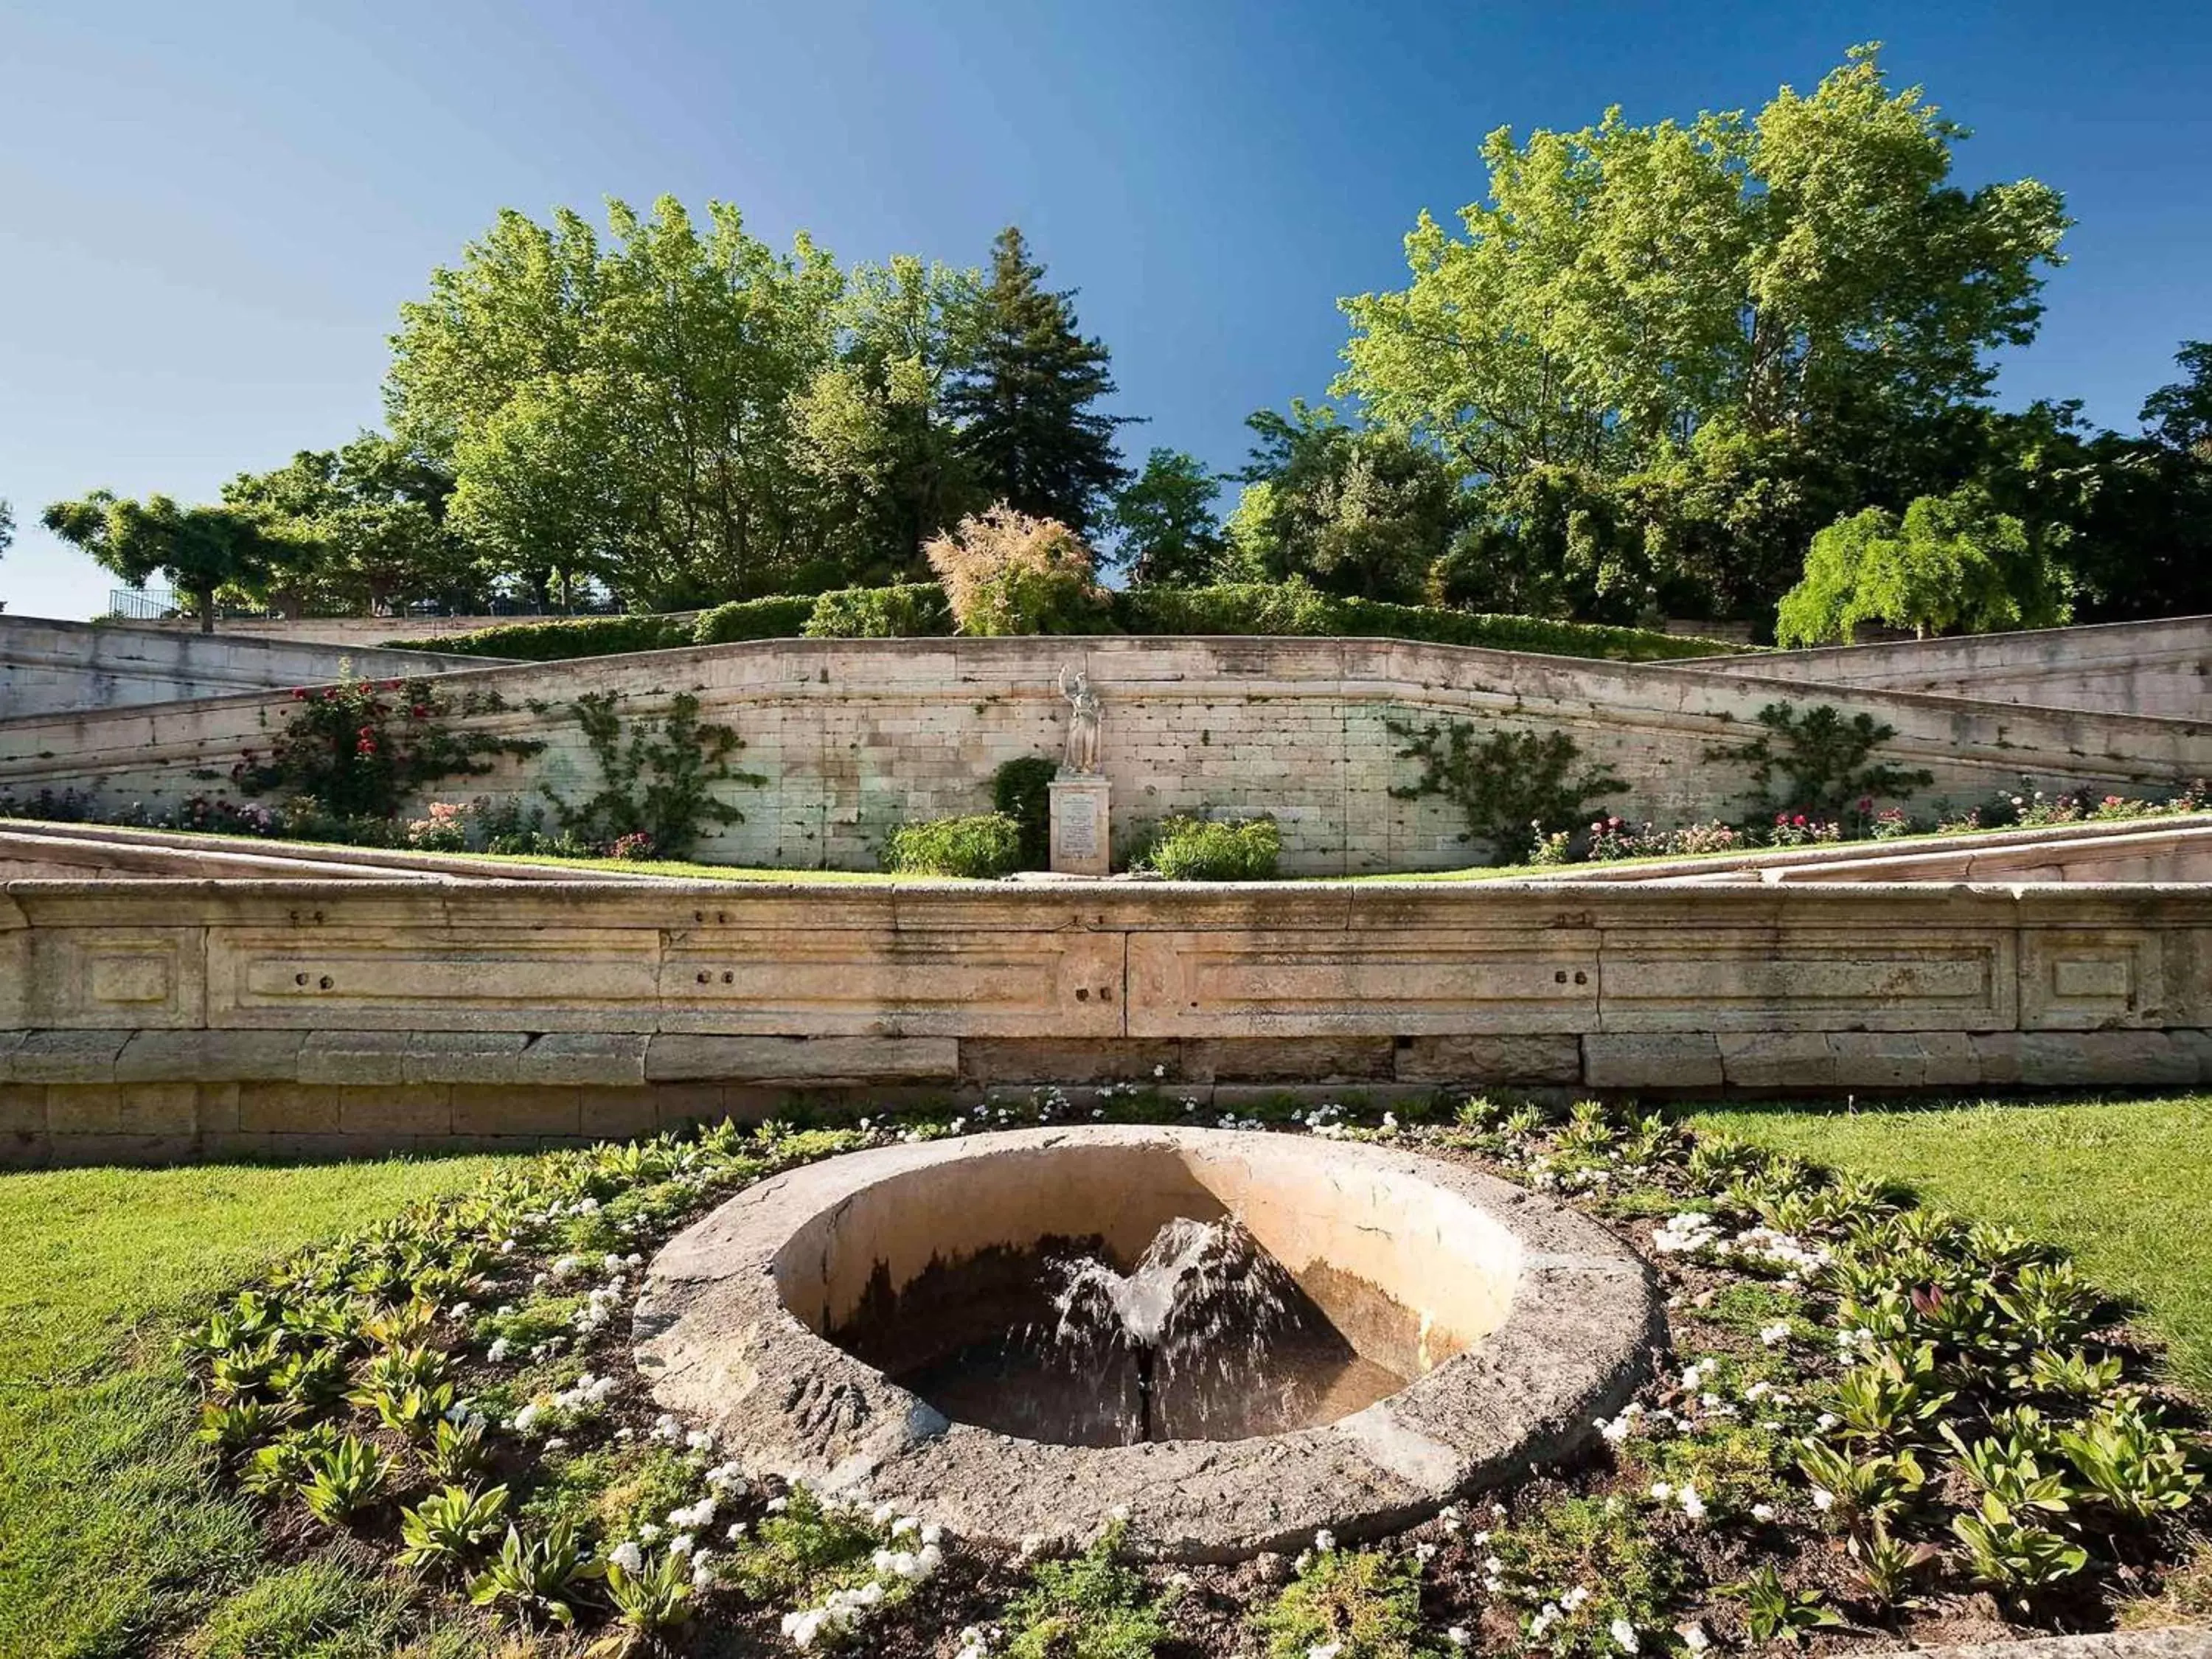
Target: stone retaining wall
854	737
49	667
161	1019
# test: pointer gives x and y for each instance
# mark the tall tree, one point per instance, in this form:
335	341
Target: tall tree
372	516
1806	269
7	524
1953	563
202	551
630	410
1164	518
1028	431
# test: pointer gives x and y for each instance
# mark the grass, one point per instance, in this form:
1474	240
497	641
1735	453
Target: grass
114	1534
2122	1184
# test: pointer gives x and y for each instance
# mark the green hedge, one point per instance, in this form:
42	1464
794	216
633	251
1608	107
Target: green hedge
909	611
556	639
986	845
1196	849
918	610
778	616
1294	609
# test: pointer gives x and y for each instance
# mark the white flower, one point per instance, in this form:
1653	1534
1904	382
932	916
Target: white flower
526	1419
629	1557
497	1353
1159	1071
1624	1634
1574	1598
1324	1650
1694	1637
1762	1511
736	1532
1777	1332
1823	1499
700	1441
649	1532
1324	1541
681	1544
1692	1505
1661	1491
1457	1635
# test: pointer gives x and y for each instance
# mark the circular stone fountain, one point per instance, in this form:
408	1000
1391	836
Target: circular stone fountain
1243	1337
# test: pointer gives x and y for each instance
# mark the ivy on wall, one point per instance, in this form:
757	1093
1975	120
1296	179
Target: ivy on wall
1514	786
1820	759
657	778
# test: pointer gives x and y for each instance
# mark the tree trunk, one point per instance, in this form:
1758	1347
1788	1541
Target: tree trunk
207	610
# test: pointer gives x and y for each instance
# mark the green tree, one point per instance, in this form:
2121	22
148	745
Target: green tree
7	524
1355	510
629	409
372	515
1953	563
1029	432
2179	414
1164	518
1801	270
200	550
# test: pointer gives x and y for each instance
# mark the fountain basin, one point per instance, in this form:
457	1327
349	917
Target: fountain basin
1513	1322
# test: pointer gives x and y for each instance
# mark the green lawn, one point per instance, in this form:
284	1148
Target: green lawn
2125	1184
110	1529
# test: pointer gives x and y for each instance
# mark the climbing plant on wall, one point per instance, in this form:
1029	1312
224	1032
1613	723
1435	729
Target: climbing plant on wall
360	747
1820	759
1514	786
657	778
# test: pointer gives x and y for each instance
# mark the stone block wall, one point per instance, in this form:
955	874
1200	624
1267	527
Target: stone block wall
48	667
854	737
158	1020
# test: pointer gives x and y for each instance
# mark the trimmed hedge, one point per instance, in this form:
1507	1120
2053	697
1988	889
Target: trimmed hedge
988	844
778	616
559	638
1184	848
1294	609
1022	789
909	611
919	610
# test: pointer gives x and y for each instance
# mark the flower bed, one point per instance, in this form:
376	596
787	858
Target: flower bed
1877	1425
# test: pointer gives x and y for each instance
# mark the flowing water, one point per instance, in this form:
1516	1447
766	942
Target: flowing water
1206	1336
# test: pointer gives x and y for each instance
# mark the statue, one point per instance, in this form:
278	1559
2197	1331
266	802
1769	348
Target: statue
1081	759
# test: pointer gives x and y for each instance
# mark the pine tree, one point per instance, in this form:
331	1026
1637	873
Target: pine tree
1027	432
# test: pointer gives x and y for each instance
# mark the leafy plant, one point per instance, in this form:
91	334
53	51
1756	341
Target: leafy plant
1821	760
984	845
2074	1374
232	1426
907	611
1183	849
451	1526
312	1376
657	1596
1005	572
2006	1470
538	1577
1864	1492
2133	1465
1507	783
1772	1610
413	1410
1093	1607
359	748
343	1478
1888	1567
2009	1554
1891	1399
1021	790
455	1450
1356	1604
656	778
2049	1305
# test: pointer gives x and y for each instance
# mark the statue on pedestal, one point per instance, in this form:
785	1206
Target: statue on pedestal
1081	759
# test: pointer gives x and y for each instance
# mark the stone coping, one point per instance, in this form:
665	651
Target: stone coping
714	1333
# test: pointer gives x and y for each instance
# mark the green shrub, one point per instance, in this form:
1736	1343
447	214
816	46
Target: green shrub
1022	789
1357	1604
909	611
559	638
1294	608
778	616
985	845
1198	849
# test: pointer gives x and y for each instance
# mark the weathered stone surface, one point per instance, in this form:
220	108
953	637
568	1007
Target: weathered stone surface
65	1056
287	1109
22	1108
1904	1060
2194	1642
585	1057
408	1110
210	1056
676	1058
506	1109
355	1059
1778	1059
1677	1060
464	1056
988	1060
1539	1319
1490	1060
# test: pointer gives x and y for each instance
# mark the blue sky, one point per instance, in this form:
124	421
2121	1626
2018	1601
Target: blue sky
209	214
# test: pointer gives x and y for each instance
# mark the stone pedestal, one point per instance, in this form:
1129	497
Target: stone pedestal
1080	845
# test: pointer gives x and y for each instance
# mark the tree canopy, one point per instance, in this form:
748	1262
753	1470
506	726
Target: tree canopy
199	550
1164	518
